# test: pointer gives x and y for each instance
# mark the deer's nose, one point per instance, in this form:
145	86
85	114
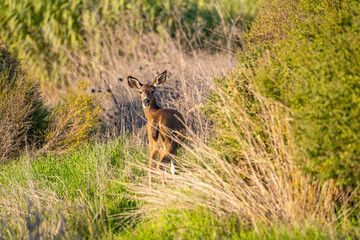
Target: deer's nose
146	100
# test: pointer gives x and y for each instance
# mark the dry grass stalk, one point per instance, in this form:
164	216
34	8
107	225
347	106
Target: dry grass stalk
16	105
29	213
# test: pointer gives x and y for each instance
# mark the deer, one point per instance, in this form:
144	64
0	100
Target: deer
165	127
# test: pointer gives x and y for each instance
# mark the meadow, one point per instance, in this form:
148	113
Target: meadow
269	91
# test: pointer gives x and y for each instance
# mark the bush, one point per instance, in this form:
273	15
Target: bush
23	115
25	120
73	121
311	64
230	124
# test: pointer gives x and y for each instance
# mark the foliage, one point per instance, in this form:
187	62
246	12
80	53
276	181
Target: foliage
43	32
73	121
313	69
272	22
25	121
23	115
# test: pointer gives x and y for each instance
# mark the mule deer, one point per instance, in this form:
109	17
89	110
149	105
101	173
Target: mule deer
165	127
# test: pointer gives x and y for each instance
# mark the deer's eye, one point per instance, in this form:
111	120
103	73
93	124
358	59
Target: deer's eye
152	91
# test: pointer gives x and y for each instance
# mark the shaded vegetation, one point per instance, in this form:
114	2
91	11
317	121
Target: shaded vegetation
27	123
23	114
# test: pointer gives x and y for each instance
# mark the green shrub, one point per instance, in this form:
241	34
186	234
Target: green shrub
23	115
310	63
241	104
73	121
25	120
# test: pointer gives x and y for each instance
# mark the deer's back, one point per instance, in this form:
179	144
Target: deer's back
168	120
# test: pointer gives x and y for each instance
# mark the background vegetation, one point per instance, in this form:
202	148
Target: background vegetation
27	123
42	32
272	150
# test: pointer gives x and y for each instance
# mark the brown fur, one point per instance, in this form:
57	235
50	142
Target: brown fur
165	127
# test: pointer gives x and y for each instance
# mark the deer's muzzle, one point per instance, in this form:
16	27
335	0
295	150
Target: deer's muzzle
146	102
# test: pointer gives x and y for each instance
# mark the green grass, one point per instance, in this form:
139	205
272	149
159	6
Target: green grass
84	187
201	224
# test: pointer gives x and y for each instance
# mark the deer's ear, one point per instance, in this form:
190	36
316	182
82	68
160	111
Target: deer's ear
133	82
159	80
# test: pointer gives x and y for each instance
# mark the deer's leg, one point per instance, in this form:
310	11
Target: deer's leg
173	149
166	158
160	166
153	155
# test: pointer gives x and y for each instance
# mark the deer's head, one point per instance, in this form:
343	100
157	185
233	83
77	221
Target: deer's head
147	90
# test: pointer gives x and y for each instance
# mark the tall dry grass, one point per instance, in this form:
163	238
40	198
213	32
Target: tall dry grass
31	213
15	109
23	114
69	196
263	185
124	52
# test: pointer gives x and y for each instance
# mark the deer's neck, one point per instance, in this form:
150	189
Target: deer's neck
153	107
